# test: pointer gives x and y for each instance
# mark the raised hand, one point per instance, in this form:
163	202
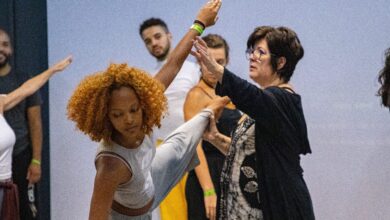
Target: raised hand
61	65
206	60
208	13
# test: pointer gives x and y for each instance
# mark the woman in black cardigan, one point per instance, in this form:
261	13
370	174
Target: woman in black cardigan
262	177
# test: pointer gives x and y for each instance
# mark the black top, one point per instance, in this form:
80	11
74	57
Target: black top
280	138
17	116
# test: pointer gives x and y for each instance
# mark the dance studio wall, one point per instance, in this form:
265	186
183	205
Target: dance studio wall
347	174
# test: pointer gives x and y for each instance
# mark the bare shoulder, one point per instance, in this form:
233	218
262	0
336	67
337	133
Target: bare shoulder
112	169
198	94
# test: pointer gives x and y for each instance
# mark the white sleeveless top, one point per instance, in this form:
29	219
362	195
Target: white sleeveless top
7	141
139	191
176	93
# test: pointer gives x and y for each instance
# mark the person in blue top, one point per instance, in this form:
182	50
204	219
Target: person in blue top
262	177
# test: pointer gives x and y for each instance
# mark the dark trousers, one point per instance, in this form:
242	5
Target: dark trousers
20	164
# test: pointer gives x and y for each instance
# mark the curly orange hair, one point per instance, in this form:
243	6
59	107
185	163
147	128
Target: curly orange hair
88	106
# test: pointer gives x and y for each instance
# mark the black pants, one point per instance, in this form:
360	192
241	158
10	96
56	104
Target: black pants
20	164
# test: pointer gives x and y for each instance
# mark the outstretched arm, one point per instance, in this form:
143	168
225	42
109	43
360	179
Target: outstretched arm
35	83
208	16
2	99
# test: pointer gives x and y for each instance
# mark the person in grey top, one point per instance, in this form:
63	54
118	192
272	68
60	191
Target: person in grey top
119	107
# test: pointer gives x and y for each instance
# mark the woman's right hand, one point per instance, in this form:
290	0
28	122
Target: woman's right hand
61	65
204	58
208	13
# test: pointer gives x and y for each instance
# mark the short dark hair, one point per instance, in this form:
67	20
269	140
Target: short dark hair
152	22
282	42
216	41
384	80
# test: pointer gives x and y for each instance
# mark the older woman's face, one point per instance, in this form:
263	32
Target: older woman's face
260	68
125	113
219	54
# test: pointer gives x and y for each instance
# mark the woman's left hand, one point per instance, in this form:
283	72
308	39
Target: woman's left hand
205	59
210	203
61	65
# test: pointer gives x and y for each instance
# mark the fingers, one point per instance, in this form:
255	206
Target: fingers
28	175
195	54
225	100
198	46
69	59
212	213
217	4
201	42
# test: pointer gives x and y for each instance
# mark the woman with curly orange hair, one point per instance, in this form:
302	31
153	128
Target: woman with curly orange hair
119	107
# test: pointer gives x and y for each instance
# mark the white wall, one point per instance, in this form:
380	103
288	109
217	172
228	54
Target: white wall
347	174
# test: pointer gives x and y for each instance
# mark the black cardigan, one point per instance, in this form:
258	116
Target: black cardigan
280	137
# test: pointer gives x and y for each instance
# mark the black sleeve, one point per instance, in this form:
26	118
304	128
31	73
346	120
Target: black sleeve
255	102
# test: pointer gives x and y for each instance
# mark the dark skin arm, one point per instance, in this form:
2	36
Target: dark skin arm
110	172
35	128
207	15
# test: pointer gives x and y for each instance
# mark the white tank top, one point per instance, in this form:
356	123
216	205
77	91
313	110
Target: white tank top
7	141
139	191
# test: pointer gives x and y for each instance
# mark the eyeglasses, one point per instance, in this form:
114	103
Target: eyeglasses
257	53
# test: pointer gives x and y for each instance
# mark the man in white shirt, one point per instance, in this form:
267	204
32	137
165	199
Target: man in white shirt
157	38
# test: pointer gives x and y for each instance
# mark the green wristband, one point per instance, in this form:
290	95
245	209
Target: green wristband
209	192
36	162
197	27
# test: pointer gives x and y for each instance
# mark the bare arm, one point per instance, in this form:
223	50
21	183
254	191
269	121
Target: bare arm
207	15
2	99
110	173
35	128
33	84
193	104
220	141
195	101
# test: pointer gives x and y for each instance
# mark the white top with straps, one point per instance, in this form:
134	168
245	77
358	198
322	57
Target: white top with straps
7	141
140	189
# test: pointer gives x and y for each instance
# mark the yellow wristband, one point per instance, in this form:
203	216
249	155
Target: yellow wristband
209	192
36	162
197	28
